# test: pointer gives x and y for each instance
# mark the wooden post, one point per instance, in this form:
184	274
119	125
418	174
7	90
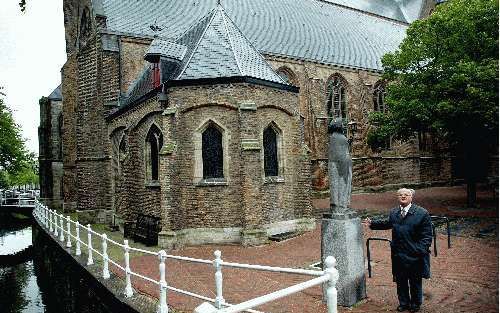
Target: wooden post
68	226
51	221
128	288
56	232
90	261
218	280
162	306
331	291
78	250
61	233
105	258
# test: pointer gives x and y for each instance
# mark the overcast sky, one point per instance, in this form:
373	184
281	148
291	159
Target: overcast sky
32	52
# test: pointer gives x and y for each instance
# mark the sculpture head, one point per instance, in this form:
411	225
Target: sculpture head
336	126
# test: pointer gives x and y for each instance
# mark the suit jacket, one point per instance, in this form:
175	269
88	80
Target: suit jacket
411	240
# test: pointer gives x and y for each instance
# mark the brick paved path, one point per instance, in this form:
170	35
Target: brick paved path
464	278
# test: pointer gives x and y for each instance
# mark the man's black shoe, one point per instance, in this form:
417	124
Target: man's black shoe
414	308
402	308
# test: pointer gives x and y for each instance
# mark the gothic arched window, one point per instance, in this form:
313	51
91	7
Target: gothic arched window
287	75
212	152
270	140
154	143
336	97
379	97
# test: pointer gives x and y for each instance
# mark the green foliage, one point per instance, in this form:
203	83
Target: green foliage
17	166
28	173
12	150
444	77
22	5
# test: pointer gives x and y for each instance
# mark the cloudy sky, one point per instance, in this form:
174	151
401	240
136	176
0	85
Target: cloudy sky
32	54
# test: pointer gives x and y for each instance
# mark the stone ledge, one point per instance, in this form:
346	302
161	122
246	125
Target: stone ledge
274	179
247	105
152	184
250	144
212	182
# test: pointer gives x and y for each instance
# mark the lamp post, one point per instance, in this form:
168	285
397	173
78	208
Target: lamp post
352	128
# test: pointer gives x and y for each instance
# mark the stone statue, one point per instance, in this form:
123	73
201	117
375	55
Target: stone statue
341	231
339	168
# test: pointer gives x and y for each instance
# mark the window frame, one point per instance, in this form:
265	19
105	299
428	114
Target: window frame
198	177
155	133
337	86
279	178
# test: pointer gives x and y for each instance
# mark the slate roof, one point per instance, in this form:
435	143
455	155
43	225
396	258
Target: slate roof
219	49
56	94
402	10
166	49
306	29
212	48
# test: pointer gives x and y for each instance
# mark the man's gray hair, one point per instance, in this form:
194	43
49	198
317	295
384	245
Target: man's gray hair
412	191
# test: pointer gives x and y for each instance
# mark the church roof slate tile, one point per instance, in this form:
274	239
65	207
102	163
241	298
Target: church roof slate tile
308	29
56	94
223	51
167	49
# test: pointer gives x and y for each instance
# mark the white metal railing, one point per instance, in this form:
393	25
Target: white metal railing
53	222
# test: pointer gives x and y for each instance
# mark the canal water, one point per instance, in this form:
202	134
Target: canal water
19	289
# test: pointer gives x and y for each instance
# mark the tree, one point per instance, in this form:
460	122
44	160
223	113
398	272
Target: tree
12	150
22	5
443	79
27	174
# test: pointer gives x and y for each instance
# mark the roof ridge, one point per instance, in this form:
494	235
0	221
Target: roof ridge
251	46
195	47
366	12
224	16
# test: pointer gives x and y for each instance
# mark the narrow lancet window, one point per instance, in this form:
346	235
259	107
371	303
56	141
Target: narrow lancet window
379	98
154	143
270	141
212	153
336	98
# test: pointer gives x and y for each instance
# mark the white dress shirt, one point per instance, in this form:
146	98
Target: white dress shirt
405	210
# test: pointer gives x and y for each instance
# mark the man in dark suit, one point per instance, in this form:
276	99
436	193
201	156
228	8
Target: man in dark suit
411	238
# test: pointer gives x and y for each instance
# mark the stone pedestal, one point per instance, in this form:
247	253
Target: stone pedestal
342	237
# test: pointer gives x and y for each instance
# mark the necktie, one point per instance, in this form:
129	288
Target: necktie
403	213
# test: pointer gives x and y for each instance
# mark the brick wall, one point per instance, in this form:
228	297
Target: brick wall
246	199
70	100
378	168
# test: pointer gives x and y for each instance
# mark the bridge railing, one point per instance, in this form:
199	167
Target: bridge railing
61	227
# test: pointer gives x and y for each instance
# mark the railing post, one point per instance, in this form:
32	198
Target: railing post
61	234
162	306
331	291
105	258
77	229
90	261
56	224
68	226
128	285
51	221
46	211
218	279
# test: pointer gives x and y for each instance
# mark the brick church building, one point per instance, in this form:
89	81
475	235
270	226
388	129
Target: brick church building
212	117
